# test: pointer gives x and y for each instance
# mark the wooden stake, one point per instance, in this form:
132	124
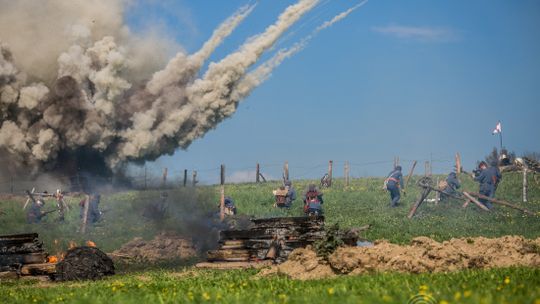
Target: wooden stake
414	207
194	178
501	202
437	194
185	177
458	163
525	185
258	174
28	199
330	167
410	175
475	201
286	171
85	213
222	194
347	169
164	178
426	164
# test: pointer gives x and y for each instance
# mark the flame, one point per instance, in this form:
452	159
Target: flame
72	245
90	244
52	259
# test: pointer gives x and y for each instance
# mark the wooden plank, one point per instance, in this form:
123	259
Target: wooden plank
501	202
39	269
31	258
414	207
235	265
8	275
475	201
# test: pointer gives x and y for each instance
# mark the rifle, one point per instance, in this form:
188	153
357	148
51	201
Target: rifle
44	213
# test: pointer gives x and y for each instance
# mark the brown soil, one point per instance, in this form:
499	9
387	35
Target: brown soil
162	248
422	255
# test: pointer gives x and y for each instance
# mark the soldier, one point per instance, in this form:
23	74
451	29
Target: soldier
291	193
35	214
313	201
488	179
230	207
94	214
452	184
393	182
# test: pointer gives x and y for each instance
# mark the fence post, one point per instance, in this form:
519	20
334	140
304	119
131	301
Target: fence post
164	178
525	184
258	173
330	167
458	163
222	194
194	178
347	174
185	177
85	213
286	171
427	168
410	175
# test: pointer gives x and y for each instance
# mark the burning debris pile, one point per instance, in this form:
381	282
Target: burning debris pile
94	96
23	255
163	247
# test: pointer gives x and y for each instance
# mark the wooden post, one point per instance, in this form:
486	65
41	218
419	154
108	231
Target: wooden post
194	178
286	171
420	200
330	167
501	202
458	163
222	194
525	184
85	213
185	177
427	168
164	178
410	175
347	169
475	201
437	194
258	174
396	161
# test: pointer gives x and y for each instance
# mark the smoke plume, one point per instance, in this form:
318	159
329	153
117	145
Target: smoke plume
72	88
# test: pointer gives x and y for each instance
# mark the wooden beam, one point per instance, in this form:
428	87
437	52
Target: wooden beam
410	175
475	201
502	202
414	207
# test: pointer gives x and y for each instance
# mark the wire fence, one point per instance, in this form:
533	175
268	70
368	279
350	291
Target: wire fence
174	177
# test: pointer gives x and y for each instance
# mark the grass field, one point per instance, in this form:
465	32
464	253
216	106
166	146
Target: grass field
361	203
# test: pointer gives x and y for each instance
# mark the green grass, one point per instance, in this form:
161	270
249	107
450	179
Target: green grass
363	202
514	285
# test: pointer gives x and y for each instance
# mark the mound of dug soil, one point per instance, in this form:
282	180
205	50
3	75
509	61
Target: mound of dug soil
422	255
162	248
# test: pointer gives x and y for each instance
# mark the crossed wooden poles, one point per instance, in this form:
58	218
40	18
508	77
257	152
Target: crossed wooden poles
426	183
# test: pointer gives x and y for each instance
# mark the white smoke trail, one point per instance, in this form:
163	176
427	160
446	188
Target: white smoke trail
254	78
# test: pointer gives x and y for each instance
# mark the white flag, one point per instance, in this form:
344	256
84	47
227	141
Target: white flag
498	129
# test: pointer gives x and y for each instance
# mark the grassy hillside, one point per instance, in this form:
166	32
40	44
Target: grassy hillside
363	202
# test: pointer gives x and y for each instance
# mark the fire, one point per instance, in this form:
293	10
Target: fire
52	259
90	244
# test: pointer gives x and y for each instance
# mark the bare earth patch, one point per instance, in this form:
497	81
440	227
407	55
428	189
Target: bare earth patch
422	255
162	248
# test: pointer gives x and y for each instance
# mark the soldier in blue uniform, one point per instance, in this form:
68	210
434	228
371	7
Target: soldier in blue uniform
313	200
393	182
452	184
488	178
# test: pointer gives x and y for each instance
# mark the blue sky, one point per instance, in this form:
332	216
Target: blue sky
414	79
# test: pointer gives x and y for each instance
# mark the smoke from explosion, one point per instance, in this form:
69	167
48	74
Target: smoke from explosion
72	88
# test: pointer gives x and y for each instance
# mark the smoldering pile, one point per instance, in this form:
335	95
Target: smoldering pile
94	100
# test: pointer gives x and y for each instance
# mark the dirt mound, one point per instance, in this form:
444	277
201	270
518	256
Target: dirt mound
163	247
422	255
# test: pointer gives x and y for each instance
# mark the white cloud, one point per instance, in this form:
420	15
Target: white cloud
423	33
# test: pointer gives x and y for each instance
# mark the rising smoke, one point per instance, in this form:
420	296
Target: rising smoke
72	88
